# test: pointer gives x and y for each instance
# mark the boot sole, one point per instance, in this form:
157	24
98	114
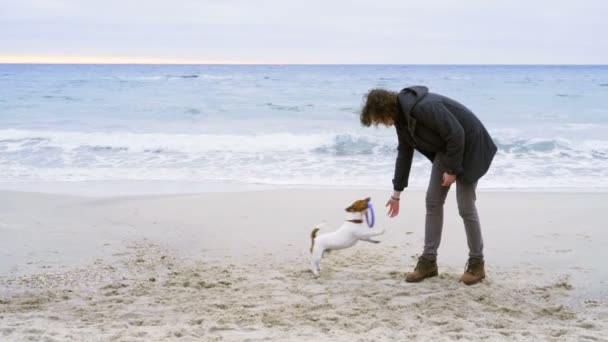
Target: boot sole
430	275
473	282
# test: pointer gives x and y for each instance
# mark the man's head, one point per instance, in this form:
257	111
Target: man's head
381	107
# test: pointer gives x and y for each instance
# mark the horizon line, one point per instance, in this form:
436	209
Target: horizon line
81	60
304	64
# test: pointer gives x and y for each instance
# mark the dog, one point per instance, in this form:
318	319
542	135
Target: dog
351	231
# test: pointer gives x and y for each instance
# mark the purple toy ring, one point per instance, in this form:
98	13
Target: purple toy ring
367	214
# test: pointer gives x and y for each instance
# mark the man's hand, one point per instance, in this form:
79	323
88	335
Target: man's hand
448	179
393	207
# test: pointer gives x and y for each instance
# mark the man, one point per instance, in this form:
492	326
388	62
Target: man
461	151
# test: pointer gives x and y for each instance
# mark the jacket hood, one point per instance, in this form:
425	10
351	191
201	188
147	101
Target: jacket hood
408	97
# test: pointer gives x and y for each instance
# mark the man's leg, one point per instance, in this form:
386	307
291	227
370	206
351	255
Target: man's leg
435	198
465	195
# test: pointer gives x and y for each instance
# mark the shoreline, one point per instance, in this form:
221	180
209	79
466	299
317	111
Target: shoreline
118	188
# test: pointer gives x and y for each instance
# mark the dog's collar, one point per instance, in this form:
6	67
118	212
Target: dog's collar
355	221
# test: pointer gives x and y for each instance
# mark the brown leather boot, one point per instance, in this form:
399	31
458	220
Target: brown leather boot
425	268
474	272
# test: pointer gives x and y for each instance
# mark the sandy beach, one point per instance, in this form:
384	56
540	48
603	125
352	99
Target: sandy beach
234	267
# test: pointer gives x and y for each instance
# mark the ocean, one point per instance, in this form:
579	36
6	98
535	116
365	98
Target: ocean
288	125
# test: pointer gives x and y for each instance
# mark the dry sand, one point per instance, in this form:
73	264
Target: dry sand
234	267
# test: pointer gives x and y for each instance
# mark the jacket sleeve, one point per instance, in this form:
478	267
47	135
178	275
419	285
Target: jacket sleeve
438	118
403	165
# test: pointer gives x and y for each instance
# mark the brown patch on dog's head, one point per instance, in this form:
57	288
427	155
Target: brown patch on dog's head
358	206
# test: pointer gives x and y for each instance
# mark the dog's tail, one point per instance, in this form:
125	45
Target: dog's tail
313	235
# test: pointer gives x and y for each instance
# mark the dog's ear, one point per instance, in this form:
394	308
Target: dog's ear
358	206
368	199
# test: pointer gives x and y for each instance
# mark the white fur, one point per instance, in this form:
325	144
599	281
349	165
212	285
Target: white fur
346	236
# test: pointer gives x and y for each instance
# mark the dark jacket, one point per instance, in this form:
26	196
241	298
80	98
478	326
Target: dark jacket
432	123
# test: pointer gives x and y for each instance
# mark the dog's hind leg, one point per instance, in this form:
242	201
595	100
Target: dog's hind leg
317	254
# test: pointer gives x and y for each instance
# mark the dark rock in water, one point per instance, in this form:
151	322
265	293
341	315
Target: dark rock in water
283	108
183	76
568	95
192	111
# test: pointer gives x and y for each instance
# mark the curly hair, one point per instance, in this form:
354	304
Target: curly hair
380	104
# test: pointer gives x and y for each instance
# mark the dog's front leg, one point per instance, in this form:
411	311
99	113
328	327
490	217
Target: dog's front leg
367	234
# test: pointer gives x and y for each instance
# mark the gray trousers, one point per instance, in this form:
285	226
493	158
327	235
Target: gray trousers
435	198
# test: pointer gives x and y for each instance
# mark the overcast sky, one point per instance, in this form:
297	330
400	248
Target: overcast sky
310	31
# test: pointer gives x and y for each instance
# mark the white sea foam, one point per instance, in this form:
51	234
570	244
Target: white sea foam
328	158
